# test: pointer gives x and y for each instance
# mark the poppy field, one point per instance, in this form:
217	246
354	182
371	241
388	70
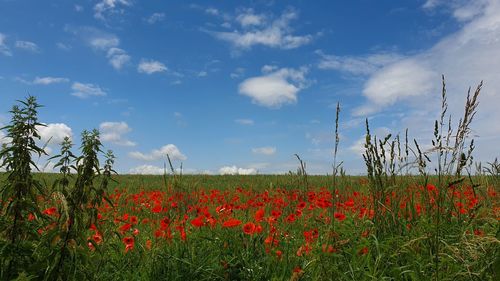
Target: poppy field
415	215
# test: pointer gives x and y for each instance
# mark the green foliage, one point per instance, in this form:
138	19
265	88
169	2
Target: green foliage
20	190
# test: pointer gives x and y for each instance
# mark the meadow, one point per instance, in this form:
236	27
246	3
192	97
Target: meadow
409	218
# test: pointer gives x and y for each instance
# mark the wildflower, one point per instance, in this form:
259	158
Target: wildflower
249	228
363	251
259	215
197	222
126	227
135	232
478	232
279	253
97	237
231	223
339	216
129	243
50	211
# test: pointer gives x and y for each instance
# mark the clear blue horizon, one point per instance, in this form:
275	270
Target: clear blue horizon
240	87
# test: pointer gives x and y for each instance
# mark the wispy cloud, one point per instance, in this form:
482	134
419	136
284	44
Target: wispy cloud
49	80
83	91
155	17
357	65
276	88
151	66
244	121
276	34
104	43
266	150
27	46
106	8
4	49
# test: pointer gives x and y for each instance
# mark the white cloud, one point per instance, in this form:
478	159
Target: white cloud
27	46
276	88
83	91
244	121
248	18
212	11
410	87
49	80
268	68
396	82
266	150
156	17
78	8
147	170
114	132
233	170
109	7
278	34
151	66
4	49
117	57
54	133
202	74
103	41
237	73
362	65
173	152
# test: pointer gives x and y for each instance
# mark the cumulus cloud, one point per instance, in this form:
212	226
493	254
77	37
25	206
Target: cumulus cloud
233	170
151	66
265	150
115	132
277	34
109	7
173	152
4	49
147	170
27	46
276	88
155	17
117	57
54	133
244	121
83	91
49	80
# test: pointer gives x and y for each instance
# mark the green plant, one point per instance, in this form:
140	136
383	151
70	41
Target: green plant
20	191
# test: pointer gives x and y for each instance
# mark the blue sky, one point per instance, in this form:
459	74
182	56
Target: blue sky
241	86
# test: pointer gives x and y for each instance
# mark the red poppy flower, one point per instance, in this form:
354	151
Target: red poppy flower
339	216
129	243
259	215
197	222
249	228
231	223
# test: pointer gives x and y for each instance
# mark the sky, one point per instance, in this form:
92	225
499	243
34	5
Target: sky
239	87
